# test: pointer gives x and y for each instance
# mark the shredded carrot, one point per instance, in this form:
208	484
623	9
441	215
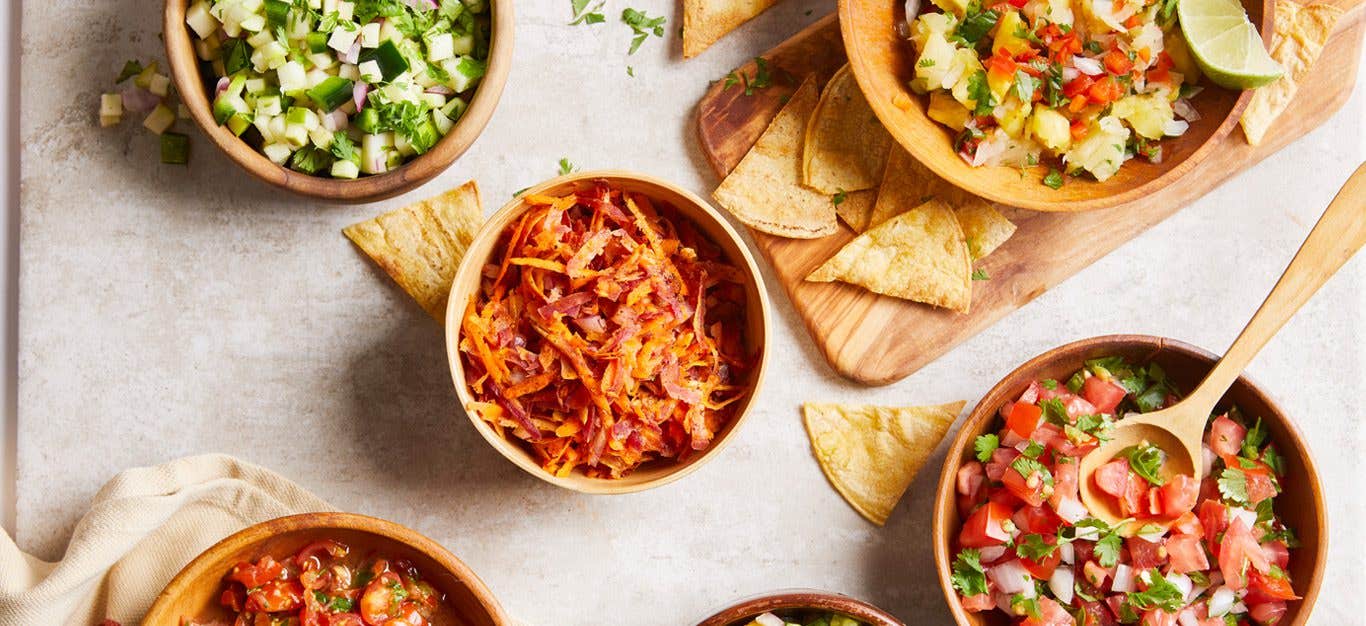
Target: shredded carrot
608	335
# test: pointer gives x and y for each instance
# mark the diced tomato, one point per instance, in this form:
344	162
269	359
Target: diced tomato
1259	487
1179	495
1113	477
1239	549
1096	614
1186	554
1037	519
1082	550
1226	436
1189	524
1094	574
345	619
1029	396
977	603
1104	91
1266	588
1043	568
1104	394
1158	617
1001	459
1023	419
310	557
984	527
1214	517
1079	130
250	575
1116	603
1032	489
1277	553
1001	63
1077	406
1064	481
1160	71
1144	554
234	597
1004	498
1076	87
1267	613
1117	63
1050	614
1154	500
1135	496
276	595
970	476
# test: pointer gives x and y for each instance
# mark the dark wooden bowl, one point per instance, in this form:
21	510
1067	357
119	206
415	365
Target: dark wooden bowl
1301	505
194	592
710	223
882	62
801	599
190	84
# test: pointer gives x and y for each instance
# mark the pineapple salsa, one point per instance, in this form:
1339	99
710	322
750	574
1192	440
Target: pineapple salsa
342	87
1091	83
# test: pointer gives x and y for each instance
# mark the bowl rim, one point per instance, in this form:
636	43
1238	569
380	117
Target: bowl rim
883	108
324	520
944	498
800	599
510	450
185	72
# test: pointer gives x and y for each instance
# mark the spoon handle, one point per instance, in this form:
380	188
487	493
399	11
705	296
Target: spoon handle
1337	236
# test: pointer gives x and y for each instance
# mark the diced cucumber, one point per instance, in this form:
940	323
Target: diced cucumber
175	148
316	42
321	137
367	121
387	57
433	100
373	149
144	78
332	93
277	13
443	123
159	85
268	105
462	44
253	23
369	35
278	153
343	37
346	10
322	61
292	77
348	71
424	137
160	119
440	47
370	72
345	169
111	104
260	39
455	108
476	6
239	123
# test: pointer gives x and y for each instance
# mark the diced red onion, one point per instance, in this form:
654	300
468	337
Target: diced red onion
1187	112
1206	454
1087	65
1071	509
1187	617
1061	582
441	90
352	56
1249	517
1124	579
358	94
1070	74
990	554
336	121
1182	582
421	5
1012	440
1003	602
139	100
222	86
1067	553
1221	602
1010	576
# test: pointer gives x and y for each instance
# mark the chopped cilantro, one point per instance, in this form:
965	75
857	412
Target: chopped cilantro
763	77
980	93
985	445
1146	460
925	62
1034	548
1160	594
968	577
643	25
1025	86
1049	384
630	71
582	14
839	198
1274	460
1254	439
1033	450
1027	467
1233	485
1054	179
976	24
1054	411
1107	549
1026	606
980	274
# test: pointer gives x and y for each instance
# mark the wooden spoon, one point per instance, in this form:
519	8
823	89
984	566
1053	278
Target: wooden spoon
1179	429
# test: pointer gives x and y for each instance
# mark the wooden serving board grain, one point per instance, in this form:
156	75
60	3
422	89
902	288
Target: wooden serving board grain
876	340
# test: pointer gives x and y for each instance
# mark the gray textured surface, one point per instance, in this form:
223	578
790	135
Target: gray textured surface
167	311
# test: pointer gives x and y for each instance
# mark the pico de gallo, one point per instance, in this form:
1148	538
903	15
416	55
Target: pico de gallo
326	583
1208	552
1091	83
800	617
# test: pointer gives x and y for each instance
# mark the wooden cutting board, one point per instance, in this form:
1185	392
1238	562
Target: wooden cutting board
876	340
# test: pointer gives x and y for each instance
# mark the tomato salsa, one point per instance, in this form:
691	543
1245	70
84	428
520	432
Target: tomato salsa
1207	552
607	334
326	583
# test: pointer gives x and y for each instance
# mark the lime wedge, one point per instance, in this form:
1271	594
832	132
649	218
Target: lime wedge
1226	44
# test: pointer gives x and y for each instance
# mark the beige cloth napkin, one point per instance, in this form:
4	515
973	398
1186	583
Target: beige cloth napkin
143	526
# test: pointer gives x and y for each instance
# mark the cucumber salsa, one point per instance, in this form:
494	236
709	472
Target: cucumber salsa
337	87
1207	551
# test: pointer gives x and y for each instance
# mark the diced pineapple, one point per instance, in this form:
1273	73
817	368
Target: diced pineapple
1102	151
931	23
934	63
1057	12
1182	61
966	65
947	111
999	84
956	7
1012	114
1148	114
1051	129
1008	34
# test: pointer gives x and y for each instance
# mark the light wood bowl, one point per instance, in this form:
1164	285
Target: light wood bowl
1300	505
710	223
801	599
193	85
882	62
194	592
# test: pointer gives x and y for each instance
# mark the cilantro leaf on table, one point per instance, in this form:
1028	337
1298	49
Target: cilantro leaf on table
582	14
980	274
565	166
643	25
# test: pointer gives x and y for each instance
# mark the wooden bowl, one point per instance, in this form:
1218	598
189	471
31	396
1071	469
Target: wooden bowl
194	592
1301	505
710	223
801	599
194	87
882	63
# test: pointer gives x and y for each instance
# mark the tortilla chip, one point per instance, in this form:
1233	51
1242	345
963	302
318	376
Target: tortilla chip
871	454
984	228
857	208
919	255
706	21
845	147
1301	31
420	245
765	190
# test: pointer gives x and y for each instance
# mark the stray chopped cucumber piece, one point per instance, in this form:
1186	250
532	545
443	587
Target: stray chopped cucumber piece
175	148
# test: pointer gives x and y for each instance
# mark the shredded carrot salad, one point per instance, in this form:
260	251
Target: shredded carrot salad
608	335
